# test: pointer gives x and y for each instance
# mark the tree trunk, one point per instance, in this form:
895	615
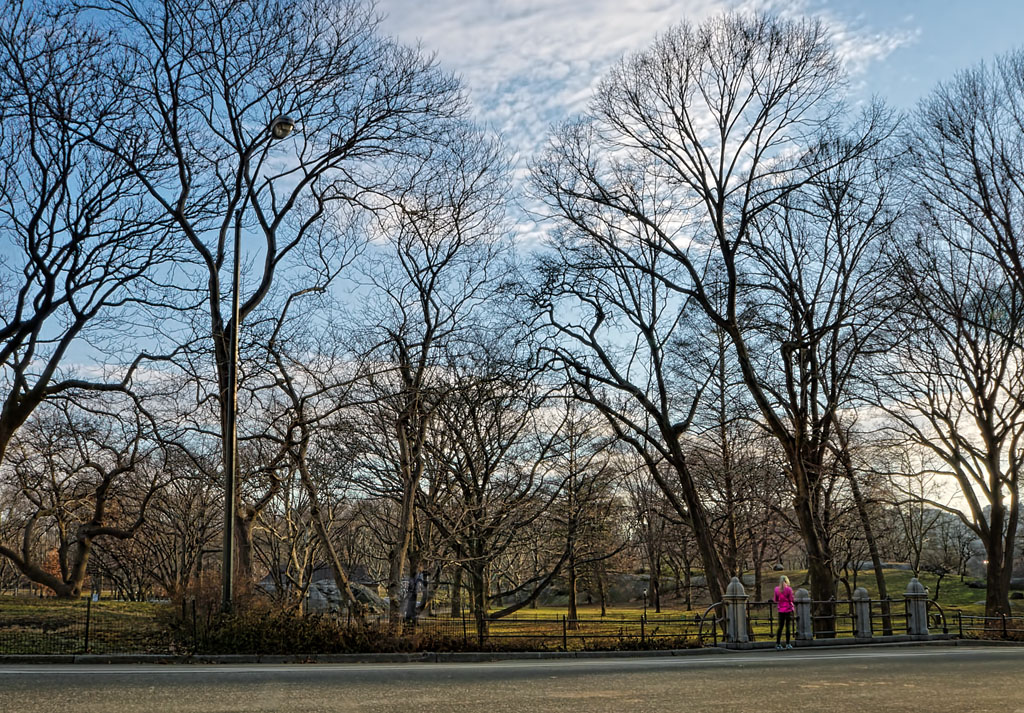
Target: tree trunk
62	589
688	582
997	580
656	591
399	552
938	584
869	536
677	580
456	603
480	586
757	556
714	573
819	569
412	591
341	580
573	613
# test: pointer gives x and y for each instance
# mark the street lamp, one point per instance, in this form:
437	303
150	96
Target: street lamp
278	128
281	127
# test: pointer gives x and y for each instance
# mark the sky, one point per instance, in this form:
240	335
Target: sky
529	64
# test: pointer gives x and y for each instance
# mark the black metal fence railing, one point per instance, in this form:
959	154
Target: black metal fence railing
53	627
1007	628
710	625
836	618
77	627
562	633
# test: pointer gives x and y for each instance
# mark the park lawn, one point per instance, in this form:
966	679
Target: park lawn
953	594
49	625
33	625
544	628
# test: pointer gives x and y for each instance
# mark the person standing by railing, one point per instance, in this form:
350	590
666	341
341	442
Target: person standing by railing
784	602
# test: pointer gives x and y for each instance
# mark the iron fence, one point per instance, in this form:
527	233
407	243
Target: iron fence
1003	627
78	627
546	632
33	626
836	618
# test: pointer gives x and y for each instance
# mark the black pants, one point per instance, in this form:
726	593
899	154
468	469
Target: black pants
785	617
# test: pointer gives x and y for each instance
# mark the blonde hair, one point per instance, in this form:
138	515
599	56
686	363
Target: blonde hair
783	581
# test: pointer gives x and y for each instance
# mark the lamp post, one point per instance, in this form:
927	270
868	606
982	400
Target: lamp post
279	128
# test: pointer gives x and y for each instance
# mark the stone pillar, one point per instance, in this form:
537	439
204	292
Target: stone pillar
917	608
735	612
862	612
802	603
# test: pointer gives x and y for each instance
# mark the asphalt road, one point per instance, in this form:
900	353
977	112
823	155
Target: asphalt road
924	680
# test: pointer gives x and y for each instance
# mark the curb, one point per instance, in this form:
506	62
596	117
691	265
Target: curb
898	640
479	656
419	657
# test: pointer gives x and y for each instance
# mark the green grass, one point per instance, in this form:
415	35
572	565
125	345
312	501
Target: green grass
30	625
953	594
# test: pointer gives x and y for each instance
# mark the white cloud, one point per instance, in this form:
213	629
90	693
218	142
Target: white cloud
858	44
532	63
529	63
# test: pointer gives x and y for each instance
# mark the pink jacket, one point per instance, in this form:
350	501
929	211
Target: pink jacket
784	599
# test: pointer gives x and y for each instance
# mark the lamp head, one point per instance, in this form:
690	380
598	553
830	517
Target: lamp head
281	127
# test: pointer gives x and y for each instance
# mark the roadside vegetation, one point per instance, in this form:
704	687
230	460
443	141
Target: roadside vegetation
32	625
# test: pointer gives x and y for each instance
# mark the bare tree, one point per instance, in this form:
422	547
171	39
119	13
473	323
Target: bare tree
204	80
948	548
81	255
688	148
586	506
615	331
310	372
495	444
650	525
431	278
80	475
183	522
952	385
967	159
967	151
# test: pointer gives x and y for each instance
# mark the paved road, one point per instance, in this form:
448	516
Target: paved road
932	680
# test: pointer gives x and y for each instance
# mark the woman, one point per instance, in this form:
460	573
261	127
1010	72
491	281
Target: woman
784	602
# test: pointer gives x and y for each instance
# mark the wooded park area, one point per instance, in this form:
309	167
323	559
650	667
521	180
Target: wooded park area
765	326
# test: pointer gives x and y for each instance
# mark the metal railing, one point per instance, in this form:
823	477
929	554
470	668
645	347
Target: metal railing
77	627
115	628
32	626
562	633
1003	627
836	618
709	625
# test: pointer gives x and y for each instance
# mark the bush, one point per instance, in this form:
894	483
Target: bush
262	630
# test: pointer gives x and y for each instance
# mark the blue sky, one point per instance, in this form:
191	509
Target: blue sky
530	63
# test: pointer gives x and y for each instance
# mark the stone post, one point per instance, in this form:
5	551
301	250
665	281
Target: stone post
802	604
862	612
917	608
736	612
